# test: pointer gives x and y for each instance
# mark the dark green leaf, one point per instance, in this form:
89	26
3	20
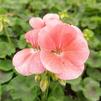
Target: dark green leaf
23	88
94	73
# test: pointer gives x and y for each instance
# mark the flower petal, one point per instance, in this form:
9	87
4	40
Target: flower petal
77	51
73	48
58	36
45	40
36	22
71	73
55	63
77	29
50	16
27	62
32	37
52	23
51	62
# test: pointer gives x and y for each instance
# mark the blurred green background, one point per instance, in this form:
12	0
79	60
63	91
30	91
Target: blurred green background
14	16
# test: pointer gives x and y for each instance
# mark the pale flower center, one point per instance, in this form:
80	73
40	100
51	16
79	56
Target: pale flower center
35	49
57	51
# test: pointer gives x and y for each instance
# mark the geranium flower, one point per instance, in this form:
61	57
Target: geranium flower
48	20
63	51
27	61
56	47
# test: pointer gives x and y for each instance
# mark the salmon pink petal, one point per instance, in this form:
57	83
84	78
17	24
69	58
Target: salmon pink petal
76	57
51	62
66	35
32	37
52	23
71	73
62	47
58	36
36	22
77	51
44	39
55	63
73	33
50	16
77	29
27	62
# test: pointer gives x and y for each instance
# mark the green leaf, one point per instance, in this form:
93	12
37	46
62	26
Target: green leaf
75	81
23	88
10	49
5	76
91	90
6	65
6	49
94	73
94	60
22	42
77	87
52	98
75	84
0	92
80	97
56	91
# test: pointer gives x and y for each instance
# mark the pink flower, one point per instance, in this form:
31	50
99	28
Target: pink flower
27	61
48	20
56	47
63	51
36	22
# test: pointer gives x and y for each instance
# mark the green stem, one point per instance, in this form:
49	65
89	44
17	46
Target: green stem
44	96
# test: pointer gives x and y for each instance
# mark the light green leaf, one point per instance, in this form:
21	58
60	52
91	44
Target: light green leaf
75	84
91	90
6	65
22	42
10	49
6	49
75	81
3	49
94	60
5	76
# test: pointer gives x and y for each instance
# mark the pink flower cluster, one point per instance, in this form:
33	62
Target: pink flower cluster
56	47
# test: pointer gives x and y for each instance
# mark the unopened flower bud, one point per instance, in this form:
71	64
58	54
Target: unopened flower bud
62	82
37	78
88	34
63	15
1	26
4	21
44	85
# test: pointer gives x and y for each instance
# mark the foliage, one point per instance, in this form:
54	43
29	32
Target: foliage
14	16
